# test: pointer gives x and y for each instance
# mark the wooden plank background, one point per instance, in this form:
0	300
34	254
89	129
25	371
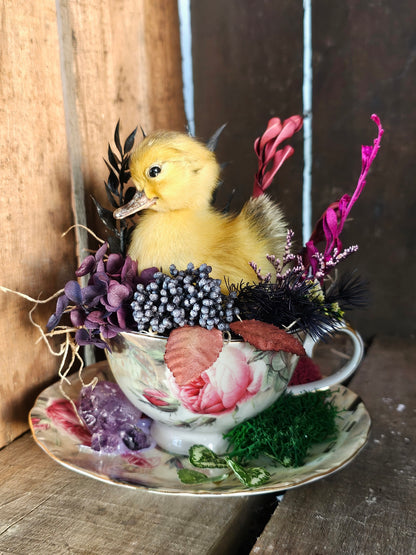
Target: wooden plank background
70	70
35	199
247	60
119	60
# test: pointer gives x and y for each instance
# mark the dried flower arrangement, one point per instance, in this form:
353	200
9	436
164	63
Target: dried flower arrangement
301	289
188	306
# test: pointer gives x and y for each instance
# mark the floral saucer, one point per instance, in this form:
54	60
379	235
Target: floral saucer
58	432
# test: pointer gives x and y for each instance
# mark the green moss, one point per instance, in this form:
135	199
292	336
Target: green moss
285	431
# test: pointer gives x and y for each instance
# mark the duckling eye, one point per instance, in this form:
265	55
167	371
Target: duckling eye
154	171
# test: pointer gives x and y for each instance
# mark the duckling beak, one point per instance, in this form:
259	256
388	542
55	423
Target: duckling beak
139	202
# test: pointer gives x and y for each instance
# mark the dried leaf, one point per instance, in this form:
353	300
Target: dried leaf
124	174
117	138
112	181
251	477
110	197
212	141
112	158
267	337
202	457
106	216
188	476
191	350
129	142
131	191
110	168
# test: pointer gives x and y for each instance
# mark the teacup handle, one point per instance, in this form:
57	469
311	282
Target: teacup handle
343	373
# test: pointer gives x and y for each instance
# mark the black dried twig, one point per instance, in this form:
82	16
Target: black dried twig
118	177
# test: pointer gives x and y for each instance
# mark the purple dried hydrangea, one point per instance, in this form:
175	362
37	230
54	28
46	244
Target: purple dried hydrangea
116	425
101	309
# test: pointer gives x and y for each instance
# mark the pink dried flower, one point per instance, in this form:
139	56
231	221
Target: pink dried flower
266	149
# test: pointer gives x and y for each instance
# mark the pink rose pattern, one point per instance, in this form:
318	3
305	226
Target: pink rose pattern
156	397
140	461
62	413
39	425
213	393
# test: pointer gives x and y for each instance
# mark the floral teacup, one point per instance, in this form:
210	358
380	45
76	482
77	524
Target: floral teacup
242	382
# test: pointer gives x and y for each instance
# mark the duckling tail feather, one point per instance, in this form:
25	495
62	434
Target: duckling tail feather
267	219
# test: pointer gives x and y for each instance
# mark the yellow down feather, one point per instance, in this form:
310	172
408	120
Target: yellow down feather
175	176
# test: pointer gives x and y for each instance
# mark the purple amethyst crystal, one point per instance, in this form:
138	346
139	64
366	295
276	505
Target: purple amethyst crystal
116	425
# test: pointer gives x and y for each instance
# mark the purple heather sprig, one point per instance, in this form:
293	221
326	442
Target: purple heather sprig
293	296
279	265
292	268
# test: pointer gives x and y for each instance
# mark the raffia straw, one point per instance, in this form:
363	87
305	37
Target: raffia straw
63	373
31	299
67	345
86	229
36	302
290	326
227	337
64	347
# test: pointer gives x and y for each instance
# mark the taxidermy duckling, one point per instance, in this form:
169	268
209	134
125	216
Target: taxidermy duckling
175	176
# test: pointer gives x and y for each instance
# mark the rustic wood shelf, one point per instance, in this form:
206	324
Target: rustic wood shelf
366	508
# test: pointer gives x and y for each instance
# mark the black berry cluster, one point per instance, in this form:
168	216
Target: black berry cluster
188	297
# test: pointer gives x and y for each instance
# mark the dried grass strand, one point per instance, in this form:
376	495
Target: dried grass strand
86	229
64	347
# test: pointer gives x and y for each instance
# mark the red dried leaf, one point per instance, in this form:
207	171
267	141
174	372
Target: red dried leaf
267	337
191	350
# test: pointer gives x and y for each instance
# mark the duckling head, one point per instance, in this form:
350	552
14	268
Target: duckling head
171	171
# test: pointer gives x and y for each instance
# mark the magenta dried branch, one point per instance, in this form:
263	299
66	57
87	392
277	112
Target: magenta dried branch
329	227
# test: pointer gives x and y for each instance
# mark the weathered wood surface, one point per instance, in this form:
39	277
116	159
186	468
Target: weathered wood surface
45	508
248	67
247	59
364	62
369	507
69	71
35	205
124	63
365	508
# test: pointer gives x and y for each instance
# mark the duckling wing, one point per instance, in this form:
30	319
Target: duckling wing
266	220
258	230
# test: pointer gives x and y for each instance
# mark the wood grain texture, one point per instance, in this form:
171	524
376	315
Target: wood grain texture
247	59
369	506
364	62
45	508
34	206
126	66
119	60
248	67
